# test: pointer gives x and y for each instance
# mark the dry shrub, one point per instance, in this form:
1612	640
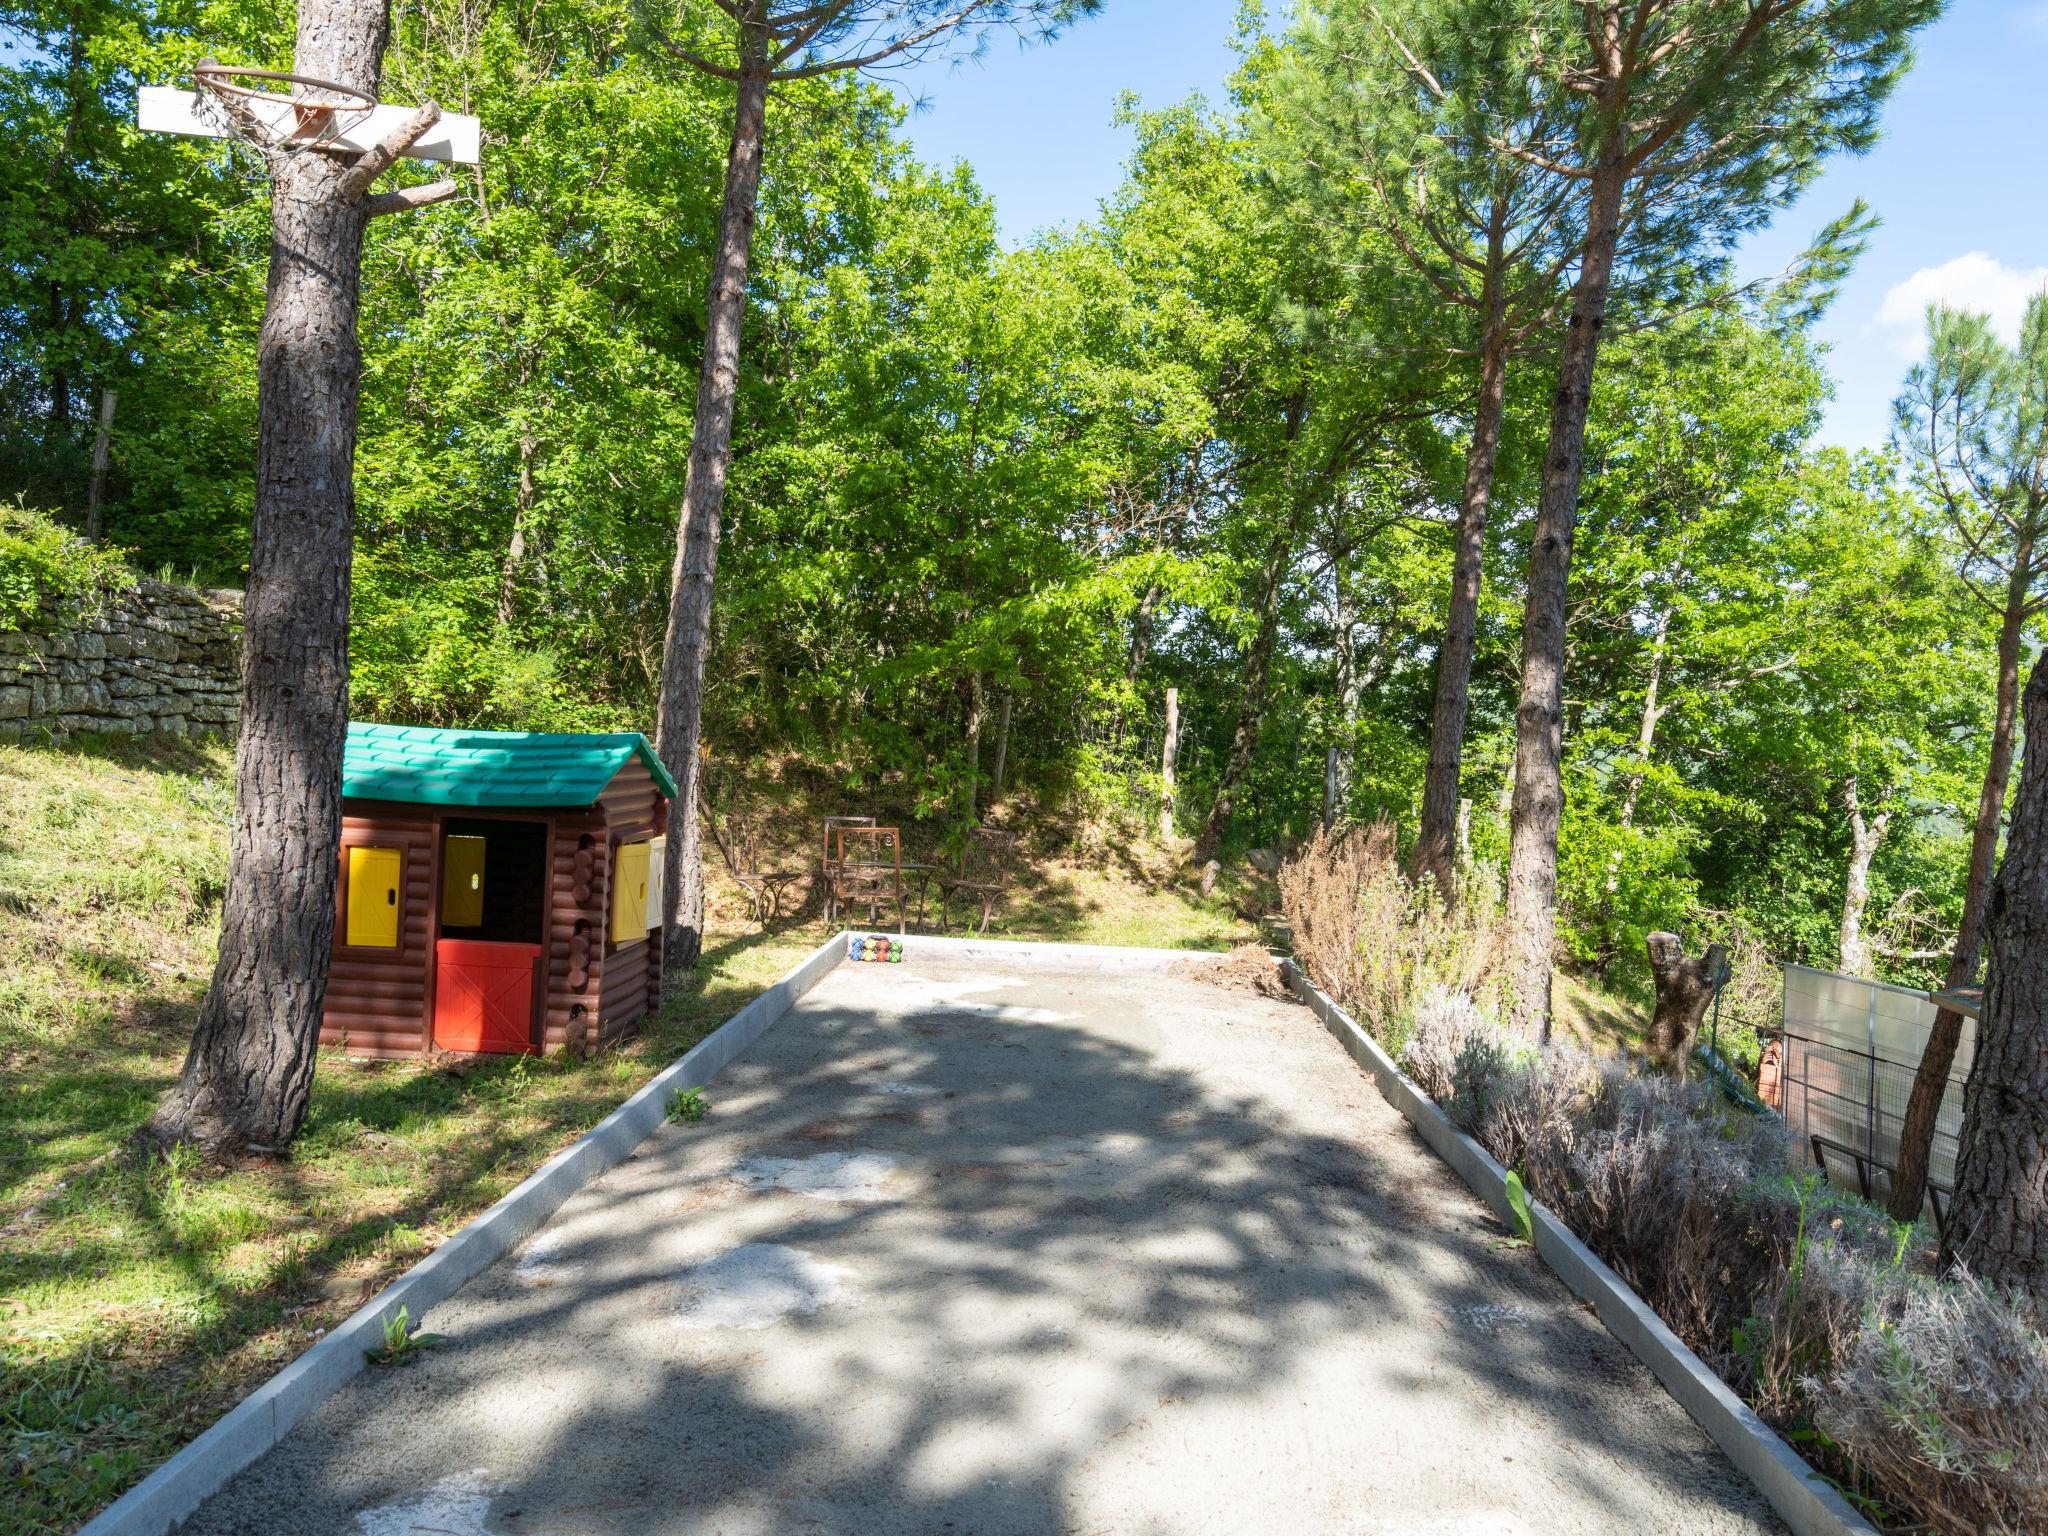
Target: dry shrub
1932	1395
1440	1024
1321	889
1943	1406
1673	1198
1377	941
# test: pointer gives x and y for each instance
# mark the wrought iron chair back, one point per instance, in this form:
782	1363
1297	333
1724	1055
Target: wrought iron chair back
828	873
984	873
867	867
765	887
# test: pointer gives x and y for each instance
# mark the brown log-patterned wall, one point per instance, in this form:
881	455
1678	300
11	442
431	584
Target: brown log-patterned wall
578	902
377	998
635	810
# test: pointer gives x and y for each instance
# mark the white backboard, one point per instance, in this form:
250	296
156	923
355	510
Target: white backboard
456	138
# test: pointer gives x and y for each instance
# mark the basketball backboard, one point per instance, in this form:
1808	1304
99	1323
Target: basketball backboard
456	138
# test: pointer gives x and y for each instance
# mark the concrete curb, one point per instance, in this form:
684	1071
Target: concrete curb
1805	1500
1097	957
268	1414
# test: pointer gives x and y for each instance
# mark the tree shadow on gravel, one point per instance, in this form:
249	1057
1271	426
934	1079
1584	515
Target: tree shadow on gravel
1092	1259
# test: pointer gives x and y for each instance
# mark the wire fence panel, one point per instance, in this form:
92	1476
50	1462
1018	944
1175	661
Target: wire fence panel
1851	1050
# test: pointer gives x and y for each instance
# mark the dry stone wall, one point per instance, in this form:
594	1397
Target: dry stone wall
156	659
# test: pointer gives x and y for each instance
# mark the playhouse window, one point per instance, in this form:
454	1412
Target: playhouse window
636	890
373	881
494	880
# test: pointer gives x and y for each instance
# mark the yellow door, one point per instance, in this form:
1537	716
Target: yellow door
373	876
462	882
629	894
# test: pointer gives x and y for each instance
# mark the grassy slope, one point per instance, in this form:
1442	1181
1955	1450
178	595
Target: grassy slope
138	1302
1597	1020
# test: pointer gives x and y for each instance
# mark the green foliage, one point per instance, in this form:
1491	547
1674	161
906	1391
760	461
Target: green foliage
1618	884
1523	1208
686	1106
46	570
402	1344
1212	437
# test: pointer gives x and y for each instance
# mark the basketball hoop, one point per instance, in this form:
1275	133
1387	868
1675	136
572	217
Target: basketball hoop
308	114
275	112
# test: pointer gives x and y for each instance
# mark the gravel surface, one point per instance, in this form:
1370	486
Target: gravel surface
983	1252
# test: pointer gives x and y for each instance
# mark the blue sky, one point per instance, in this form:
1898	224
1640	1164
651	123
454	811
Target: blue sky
1960	178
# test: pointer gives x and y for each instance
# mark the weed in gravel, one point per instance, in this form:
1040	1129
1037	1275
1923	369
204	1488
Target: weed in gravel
402	1344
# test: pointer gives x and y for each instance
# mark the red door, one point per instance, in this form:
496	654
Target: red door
485	995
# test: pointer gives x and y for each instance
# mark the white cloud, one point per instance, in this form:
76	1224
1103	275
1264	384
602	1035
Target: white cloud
1978	281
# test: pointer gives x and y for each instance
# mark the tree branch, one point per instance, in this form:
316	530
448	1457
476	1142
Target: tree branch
376	161
405	199
693	59
901	45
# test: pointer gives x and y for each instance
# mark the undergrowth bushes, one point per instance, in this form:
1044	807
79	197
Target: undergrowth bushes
1943	1405
42	562
1377	940
1927	1398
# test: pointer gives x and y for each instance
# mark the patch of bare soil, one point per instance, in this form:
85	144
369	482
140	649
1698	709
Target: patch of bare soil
1247	968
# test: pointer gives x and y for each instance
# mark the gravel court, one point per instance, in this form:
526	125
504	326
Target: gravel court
974	1248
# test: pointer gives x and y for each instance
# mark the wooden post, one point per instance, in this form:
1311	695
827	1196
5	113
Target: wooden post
1464	833
96	487
1167	754
995	792
1330	769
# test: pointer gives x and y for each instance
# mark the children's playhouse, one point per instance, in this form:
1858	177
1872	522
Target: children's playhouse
500	890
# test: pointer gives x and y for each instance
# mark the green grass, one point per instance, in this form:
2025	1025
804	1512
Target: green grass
141	1299
1597	1020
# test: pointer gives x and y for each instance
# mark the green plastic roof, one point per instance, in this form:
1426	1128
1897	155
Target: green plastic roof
531	769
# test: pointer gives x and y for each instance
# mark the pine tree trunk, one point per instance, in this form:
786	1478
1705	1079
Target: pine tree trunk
679	732
1865	834
249	1073
1435	840
1539	717
1998	1220
1937	1057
